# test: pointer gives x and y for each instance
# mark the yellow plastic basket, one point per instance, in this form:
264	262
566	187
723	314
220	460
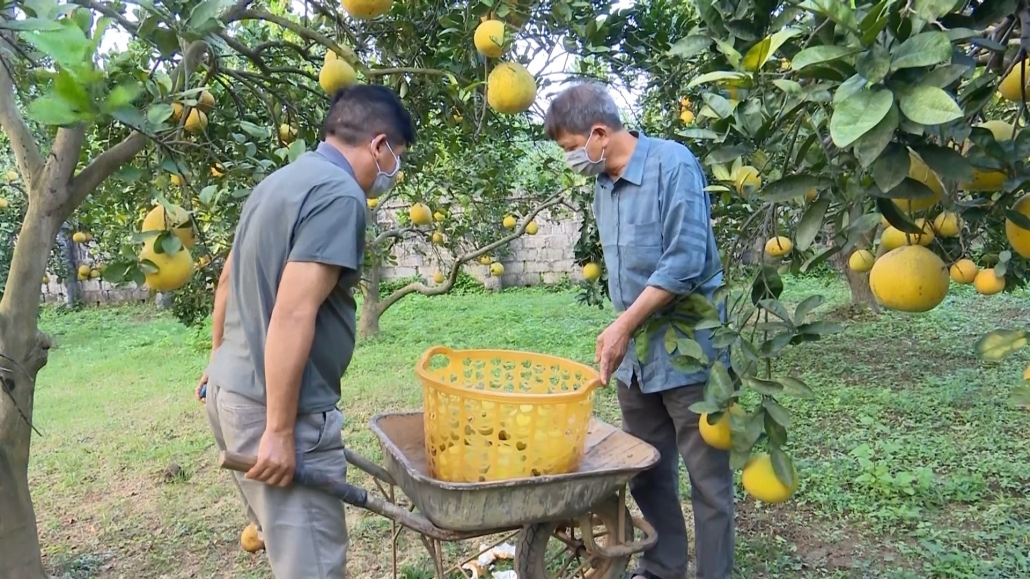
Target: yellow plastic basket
497	414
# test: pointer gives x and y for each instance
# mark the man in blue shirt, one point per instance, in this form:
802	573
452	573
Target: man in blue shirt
654	220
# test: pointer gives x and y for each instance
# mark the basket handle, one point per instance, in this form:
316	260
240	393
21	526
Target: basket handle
423	361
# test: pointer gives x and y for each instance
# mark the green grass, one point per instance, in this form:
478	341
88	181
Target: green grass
912	464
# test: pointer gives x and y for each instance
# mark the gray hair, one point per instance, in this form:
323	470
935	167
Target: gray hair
578	108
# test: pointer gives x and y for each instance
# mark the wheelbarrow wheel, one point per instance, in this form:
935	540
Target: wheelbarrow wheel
553	551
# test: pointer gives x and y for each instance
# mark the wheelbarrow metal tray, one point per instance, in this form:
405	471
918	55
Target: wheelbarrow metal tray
611	458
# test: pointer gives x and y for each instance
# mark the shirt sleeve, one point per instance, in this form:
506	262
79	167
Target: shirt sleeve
331	230
685	227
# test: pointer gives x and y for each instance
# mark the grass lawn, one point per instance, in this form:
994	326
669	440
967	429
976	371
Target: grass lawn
912	464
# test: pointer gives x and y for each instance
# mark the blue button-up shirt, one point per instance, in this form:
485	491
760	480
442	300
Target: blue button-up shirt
655	226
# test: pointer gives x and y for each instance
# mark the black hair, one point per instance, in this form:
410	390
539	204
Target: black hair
360	112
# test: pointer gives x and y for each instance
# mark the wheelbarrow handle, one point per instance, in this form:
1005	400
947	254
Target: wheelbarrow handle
342	490
348	493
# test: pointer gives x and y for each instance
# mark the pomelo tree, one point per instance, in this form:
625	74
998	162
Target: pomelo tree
198	102
886	135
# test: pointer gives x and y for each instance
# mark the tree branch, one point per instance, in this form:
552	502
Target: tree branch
346	52
405	70
26	150
104	166
394	233
462	260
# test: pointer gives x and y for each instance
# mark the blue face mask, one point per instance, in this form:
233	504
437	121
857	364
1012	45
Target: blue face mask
385	181
579	161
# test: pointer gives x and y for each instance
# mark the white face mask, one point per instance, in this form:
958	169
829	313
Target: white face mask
579	161
385	181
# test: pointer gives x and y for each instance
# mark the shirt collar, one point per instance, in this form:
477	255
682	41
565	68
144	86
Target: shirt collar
634	172
334	156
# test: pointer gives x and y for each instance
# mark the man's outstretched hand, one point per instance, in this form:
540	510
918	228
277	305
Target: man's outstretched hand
611	349
276	459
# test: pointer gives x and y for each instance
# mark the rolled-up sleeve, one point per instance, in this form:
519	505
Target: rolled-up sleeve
685	223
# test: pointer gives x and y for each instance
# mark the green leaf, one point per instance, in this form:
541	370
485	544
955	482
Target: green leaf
704	407
929	105
686	364
761	52
874	64
148	267
943	76
68	46
122	96
820	328
869	147
783	467
690	46
895	217
205	11
720	384
863	224
811	223
999	344
931	10
297	148
806	307
1021	221
159	113
821	54
991	11
691	348
777	412
642	343
776	308
790	187
858	114
767	284
716	76
892	167
796	388
926	49
31	23
765	387
788	86
71	91
909	188
946	162
51	110
670	340
719	104
207	194
835	10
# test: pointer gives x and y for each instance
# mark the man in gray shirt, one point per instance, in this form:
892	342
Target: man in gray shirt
284	327
654	220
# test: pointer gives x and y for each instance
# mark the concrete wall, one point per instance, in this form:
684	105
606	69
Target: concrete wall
544	258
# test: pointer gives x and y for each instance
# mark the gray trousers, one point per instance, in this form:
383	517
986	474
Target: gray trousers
305	530
664	421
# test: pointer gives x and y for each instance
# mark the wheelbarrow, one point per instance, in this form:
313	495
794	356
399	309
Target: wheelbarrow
582	513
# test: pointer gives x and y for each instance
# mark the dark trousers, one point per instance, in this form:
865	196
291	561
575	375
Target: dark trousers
663	420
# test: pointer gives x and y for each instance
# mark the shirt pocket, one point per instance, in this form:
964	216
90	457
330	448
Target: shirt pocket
641	247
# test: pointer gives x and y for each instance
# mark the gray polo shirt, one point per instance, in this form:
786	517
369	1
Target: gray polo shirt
311	210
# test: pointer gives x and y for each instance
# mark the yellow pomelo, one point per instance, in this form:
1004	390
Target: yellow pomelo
173	270
963	271
438	277
217	170
893	238
287	133
509	222
336	74
778	246
496	269
947	224
1018	237
748	180
532	228
1012	87
489	38
79	237
438	216
861	261
1026	373
486	260
373	203
909	279
420	214
437	237
177	109
46	279
206	102
196	122
687	117
761	483
250	540
94	273
988	283
811	195
510	89
179	223
12	175
921	172
4	203
591	271
986	179
718	435
367	9
83	270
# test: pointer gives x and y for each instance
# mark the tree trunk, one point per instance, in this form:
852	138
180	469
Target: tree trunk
69	266
368	323
861	294
19	542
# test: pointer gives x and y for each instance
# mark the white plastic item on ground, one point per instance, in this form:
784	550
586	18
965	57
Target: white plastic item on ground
506	575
